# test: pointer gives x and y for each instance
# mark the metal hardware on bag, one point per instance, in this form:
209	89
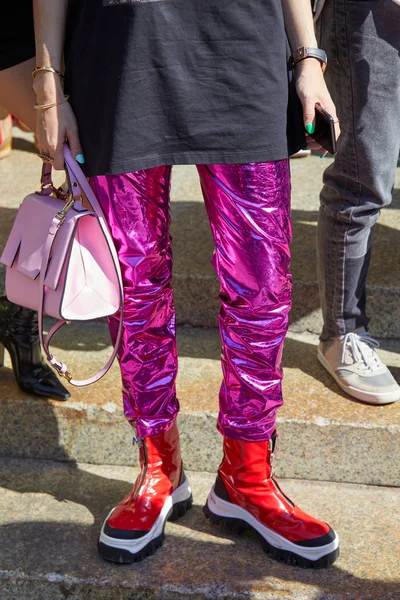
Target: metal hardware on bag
46	186
61	214
57	192
59	368
62	373
61	193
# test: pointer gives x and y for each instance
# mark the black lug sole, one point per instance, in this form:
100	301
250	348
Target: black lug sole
124	557
238	526
180	509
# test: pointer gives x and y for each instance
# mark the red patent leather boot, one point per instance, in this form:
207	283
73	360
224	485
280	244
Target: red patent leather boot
246	496
135	528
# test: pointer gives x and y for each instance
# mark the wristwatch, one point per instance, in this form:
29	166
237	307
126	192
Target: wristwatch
303	53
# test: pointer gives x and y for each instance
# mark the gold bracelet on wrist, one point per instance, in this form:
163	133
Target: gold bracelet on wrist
44	106
46	70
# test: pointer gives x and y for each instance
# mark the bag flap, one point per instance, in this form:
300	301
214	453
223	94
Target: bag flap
29	233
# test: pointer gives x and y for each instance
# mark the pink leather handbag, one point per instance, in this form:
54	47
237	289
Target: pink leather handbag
61	260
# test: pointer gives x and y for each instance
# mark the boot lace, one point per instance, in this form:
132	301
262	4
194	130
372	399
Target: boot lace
362	347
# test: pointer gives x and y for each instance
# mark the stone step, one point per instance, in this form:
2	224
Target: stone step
195	283
51	514
323	434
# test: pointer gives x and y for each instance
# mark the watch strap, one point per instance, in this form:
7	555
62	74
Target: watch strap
304	52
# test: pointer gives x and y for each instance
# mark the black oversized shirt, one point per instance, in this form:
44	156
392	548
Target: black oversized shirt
157	82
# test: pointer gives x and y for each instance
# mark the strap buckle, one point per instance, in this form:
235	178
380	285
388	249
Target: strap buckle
61	213
61	369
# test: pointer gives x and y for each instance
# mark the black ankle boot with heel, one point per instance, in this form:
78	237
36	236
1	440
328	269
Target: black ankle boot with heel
19	336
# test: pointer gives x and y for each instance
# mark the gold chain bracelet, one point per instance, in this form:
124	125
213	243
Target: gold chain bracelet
44	106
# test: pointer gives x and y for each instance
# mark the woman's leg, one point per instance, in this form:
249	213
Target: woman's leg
136	206
363	44
249	211
16	92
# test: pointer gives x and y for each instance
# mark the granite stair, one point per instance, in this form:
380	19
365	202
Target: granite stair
51	514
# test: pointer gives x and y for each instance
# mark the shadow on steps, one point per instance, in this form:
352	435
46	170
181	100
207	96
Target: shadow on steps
197	560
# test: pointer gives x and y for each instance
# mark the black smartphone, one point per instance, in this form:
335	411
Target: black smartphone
324	132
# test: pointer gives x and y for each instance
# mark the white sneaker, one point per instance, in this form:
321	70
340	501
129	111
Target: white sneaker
352	361
302	153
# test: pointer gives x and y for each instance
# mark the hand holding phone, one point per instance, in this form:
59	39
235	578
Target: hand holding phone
324	132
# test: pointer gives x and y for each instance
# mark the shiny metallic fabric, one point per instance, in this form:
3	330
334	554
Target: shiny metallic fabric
249	211
136	206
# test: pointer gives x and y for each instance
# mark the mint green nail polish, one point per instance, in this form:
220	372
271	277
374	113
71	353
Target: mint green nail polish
80	159
310	128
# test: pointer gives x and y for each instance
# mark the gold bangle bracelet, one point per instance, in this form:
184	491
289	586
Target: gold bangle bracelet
46	70
44	106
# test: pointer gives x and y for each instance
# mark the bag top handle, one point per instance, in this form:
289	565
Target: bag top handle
76	181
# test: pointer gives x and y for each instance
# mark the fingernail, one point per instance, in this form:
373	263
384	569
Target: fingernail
310	128
80	159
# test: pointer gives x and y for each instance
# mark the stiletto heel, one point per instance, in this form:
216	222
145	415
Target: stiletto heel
20	337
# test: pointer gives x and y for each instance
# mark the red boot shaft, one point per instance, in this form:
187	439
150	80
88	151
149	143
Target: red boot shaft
135	528
246	496
246	473
161	468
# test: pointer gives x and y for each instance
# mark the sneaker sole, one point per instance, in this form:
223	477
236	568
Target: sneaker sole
132	551
237	520
367	397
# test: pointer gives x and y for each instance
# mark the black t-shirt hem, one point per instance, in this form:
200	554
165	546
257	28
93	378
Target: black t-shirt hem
191	158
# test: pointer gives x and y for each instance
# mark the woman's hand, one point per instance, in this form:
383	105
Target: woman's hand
55	125
312	90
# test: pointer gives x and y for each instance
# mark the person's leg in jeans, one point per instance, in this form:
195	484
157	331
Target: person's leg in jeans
136	206
363	46
249	211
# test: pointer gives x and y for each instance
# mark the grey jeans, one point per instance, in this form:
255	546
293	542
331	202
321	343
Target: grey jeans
362	40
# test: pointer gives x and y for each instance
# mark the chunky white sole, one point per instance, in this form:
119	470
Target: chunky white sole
368	397
129	551
238	519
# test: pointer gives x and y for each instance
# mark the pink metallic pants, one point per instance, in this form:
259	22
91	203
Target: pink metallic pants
249	211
